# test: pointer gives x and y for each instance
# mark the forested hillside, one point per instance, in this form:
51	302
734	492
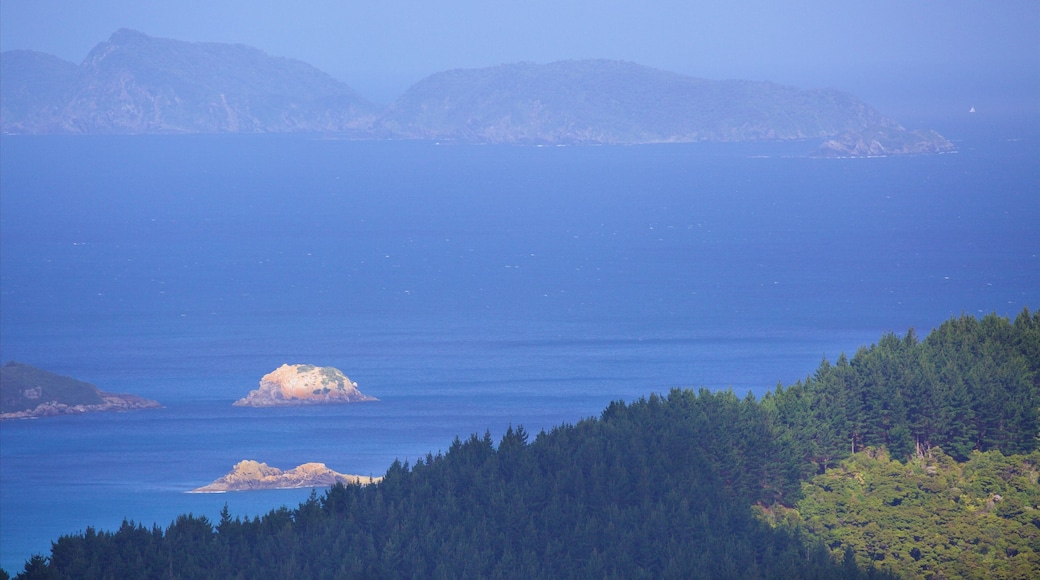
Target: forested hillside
855	466
930	517
971	385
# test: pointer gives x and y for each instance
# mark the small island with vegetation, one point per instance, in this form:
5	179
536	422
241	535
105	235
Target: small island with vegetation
27	392
252	475
303	385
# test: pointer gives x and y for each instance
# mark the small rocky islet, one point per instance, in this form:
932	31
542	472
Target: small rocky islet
250	475
303	384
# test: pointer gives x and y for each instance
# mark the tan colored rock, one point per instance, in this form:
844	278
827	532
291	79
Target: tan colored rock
250	475
303	385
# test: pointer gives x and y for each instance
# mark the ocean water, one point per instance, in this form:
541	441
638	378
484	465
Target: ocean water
469	288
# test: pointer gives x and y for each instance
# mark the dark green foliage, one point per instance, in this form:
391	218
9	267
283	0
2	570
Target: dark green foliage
970	385
23	387
931	517
657	488
692	485
997	363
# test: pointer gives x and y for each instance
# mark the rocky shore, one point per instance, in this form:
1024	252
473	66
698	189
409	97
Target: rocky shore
253	475
27	392
112	402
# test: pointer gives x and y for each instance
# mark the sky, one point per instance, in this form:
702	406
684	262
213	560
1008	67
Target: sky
906	54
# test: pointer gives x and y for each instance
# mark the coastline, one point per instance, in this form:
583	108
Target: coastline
118	403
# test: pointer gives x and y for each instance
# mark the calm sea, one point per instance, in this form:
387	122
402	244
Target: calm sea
468	288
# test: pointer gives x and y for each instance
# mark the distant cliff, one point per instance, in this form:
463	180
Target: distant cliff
253	475
303	385
28	392
135	83
138	84
602	101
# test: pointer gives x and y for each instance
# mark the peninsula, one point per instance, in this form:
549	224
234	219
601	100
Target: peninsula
303	385
27	392
253	475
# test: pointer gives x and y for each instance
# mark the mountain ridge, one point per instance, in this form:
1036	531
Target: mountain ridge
607	101
138	84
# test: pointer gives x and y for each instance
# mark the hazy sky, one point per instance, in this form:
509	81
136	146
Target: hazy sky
901	51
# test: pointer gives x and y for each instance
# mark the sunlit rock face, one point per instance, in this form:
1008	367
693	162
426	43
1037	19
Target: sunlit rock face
249	475
303	385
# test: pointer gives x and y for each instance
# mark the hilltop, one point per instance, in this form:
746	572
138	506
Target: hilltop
136	84
603	101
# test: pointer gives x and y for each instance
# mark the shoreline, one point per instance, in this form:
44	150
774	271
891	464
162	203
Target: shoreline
113	404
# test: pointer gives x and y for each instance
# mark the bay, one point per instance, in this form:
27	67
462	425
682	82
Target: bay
468	288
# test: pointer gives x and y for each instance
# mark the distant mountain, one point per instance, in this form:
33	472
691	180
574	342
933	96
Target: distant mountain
134	83
602	101
33	87
29	392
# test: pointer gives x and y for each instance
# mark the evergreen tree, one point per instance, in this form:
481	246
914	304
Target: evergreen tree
670	485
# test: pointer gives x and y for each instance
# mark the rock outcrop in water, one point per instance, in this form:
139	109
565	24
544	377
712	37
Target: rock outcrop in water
303	385
880	142
251	475
28	392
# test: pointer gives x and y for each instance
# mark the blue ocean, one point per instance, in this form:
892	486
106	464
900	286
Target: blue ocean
469	288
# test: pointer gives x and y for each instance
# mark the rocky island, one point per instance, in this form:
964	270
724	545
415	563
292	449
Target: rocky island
598	101
303	385
253	475
27	392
